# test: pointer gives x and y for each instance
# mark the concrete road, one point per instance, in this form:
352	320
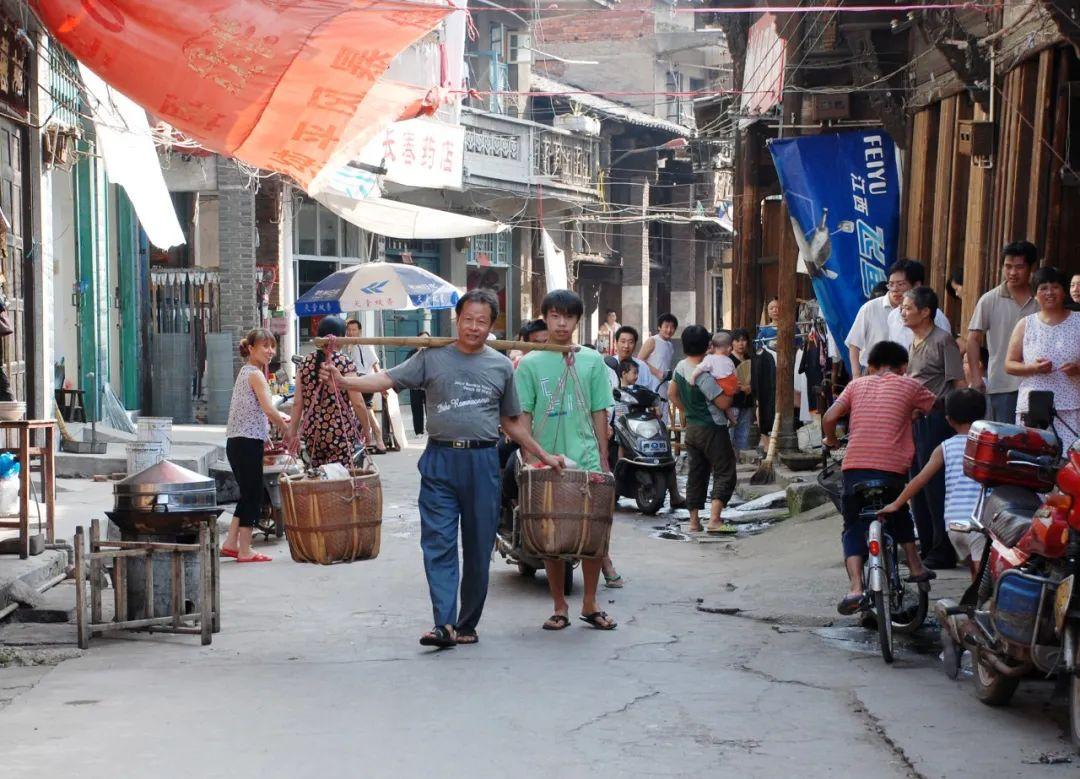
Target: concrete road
317	673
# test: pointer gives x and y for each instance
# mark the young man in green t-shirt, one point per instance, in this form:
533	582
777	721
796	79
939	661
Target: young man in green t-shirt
562	427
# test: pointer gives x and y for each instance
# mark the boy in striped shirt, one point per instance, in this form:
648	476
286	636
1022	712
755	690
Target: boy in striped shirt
962	408
881	406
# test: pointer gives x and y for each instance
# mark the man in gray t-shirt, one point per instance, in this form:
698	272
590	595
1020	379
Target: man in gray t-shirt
465	394
469	394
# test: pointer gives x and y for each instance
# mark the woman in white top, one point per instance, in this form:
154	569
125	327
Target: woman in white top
250	415
1045	351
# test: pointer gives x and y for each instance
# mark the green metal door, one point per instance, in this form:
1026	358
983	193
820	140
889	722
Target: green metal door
92	287
127	237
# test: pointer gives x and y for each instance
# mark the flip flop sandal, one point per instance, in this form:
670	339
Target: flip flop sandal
613	582
922	578
438	637
223	552
594	620
850	604
557	622
721	530
255	558
467	637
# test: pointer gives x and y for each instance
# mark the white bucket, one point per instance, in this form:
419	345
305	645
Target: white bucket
142	455
157	429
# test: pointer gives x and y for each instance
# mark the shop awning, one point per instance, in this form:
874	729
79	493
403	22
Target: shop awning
405	220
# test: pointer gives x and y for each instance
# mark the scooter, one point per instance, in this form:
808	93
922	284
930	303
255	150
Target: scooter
645	466
1019	616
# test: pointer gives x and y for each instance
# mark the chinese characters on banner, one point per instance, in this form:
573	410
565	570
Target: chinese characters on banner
420	153
843	192
286	86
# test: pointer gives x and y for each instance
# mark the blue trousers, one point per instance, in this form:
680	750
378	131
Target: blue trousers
458	485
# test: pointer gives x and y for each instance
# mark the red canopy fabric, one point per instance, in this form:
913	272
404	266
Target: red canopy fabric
286	85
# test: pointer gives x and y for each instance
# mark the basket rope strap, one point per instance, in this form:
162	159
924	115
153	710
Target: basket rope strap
569	378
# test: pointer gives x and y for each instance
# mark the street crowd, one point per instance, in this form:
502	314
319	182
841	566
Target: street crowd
915	388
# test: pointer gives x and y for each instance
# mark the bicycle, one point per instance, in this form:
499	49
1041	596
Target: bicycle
893	603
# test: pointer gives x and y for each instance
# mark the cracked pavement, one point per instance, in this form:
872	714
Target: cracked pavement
317	673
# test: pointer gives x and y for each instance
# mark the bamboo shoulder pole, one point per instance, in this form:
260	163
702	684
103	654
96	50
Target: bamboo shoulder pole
427	342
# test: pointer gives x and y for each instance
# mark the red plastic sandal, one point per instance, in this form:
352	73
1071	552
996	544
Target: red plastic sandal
228	552
255	558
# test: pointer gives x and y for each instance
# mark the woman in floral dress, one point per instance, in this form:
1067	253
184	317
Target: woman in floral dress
328	425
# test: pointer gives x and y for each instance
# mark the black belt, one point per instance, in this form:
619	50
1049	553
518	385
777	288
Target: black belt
463	444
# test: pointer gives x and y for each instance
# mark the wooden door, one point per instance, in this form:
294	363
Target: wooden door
12	260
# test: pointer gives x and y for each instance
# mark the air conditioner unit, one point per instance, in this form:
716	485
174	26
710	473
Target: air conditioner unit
587	125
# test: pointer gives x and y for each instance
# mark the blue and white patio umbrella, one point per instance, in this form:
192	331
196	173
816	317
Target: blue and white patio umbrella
378	286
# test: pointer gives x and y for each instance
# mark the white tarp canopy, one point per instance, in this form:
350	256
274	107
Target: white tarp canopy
123	136
554	262
405	220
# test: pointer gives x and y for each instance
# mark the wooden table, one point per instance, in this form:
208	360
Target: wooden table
23	431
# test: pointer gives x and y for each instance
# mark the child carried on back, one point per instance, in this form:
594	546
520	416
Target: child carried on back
720	366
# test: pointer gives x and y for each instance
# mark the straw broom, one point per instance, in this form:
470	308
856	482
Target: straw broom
766	474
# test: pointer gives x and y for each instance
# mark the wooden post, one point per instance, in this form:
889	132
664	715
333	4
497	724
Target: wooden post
48	482
97	572
215	573
206	620
786	286
177	587
24	491
148	585
80	591
431	342
120	582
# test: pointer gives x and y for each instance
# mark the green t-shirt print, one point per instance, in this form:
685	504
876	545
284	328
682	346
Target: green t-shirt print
567	429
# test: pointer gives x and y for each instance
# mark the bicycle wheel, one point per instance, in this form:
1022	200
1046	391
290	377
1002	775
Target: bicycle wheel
883	605
909	602
884	624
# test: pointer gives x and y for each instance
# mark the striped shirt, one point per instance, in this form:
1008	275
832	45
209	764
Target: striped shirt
879	429
961	492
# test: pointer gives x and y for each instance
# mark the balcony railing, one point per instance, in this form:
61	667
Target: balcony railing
569	160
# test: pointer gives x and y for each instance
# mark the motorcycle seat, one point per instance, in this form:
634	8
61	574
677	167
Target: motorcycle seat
1008	511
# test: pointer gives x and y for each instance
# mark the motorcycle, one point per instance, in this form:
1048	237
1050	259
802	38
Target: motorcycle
1019	616
276	462
508	539
645	465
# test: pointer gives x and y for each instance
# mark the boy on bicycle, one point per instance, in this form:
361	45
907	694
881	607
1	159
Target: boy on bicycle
880	407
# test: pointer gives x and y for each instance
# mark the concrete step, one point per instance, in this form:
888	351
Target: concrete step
17	634
56	604
31	572
196	457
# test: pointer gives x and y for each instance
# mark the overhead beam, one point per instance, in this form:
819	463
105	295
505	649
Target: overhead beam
966	58
866	69
1066	15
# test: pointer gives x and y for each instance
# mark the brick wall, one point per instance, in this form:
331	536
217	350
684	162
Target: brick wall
236	225
619	24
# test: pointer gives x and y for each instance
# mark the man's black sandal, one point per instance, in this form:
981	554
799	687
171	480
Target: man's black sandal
850	604
466	636
595	618
438	637
557	622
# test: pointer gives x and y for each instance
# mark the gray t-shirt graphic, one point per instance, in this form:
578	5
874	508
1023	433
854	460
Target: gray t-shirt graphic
465	393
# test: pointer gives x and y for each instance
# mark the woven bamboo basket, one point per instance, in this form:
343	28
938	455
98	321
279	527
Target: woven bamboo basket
333	520
567	515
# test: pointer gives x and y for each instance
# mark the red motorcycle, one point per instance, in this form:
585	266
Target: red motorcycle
1019	616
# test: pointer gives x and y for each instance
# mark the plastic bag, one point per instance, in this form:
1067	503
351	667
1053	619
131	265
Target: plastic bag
9	484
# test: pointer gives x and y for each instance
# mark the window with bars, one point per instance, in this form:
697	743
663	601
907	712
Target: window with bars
490	249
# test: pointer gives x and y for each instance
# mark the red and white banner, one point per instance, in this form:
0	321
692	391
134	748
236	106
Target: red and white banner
763	74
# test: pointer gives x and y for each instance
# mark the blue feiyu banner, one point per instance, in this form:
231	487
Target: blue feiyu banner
843	194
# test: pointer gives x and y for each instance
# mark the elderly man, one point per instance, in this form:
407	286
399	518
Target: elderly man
935	361
468	393
366	361
992	325
915	275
